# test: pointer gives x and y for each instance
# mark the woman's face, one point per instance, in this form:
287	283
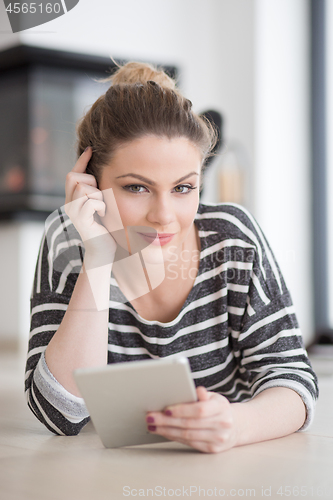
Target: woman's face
155	183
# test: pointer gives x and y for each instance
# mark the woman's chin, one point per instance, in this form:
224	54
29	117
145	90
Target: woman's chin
153	255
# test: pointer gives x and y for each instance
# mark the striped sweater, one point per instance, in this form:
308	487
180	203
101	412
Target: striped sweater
237	326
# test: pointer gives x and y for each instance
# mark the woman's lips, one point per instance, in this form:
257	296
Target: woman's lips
158	239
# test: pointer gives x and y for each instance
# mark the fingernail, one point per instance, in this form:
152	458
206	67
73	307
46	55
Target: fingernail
152	428
150	420
168	412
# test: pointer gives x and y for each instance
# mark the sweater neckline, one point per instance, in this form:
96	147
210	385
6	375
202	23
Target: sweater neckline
194	290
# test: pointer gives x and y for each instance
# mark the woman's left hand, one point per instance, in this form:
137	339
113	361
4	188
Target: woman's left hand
206	425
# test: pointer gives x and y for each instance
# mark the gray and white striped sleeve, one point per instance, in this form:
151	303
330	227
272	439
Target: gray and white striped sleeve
270	340
61	412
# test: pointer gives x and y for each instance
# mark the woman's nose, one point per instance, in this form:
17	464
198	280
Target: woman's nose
161	212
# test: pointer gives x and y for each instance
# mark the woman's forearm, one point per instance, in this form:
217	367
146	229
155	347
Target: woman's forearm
82	338
273	413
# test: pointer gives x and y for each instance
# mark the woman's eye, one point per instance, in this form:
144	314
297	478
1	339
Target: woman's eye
135	188
183	189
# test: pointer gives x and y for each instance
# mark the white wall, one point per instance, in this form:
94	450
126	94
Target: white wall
282	143
246	58
329	86
9	258
19	244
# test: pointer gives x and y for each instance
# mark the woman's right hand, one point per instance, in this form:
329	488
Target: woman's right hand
83	201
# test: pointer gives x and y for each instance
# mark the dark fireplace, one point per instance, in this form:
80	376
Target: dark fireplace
42	95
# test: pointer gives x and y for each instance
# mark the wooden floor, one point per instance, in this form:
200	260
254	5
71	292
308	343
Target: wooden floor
36	465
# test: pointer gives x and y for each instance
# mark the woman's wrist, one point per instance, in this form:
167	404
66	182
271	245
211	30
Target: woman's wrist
99	253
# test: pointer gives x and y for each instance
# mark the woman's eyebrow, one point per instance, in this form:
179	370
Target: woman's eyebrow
152	183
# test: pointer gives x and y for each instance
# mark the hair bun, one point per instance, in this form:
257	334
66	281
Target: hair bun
188	104
135	72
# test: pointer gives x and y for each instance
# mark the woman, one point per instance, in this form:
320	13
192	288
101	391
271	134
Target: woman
222	300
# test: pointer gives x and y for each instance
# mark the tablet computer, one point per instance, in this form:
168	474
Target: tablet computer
119	395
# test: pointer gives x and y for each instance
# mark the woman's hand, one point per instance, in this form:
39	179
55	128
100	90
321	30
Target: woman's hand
83	201
206	425
212	424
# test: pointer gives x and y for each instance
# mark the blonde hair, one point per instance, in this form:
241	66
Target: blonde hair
141	100
135	72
